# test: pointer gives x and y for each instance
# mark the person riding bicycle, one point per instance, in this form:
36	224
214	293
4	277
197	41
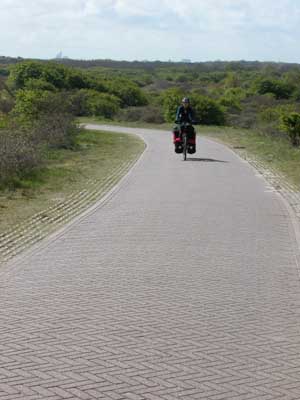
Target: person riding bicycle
185	115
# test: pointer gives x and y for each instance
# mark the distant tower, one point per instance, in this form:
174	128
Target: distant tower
59	55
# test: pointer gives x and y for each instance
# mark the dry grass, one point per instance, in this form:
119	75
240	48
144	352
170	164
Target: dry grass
66	172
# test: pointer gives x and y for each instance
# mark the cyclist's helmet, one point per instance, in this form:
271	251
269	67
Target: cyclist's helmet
186	100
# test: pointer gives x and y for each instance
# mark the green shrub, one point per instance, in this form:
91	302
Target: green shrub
39	84
149	114
280	89
47	76
291	125
20	153
171	99
275	114
6	102
182	78
87	102
47	115
102	104
129	93
28	106
208	111
296	94
232	99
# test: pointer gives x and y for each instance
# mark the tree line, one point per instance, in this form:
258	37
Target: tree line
40	101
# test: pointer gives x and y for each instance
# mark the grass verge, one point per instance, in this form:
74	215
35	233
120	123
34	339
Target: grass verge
275	152
65	173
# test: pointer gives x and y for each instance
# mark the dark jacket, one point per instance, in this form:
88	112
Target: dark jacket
185	115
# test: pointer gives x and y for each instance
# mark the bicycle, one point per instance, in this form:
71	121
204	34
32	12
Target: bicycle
185	137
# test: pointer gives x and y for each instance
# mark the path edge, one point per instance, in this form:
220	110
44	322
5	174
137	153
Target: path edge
293	220
14	263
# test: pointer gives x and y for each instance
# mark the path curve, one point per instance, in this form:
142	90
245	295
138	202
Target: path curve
184	285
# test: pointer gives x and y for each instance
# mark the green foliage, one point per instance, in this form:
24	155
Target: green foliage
212	77
6	102
29	105
47	116
102	104
142	79
39	76
129	93
39	84
149	114
171	99
296	94
232	80
182	78
4	72
291	125
4	120
280	89
19	154
208	111
87	102
22	72
76	79
232	98
275	114
247	94
47	76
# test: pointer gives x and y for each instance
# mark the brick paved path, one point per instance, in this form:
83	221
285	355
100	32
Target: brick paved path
183	286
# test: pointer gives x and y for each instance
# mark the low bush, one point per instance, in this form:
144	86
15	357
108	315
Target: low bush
149	114
6	104
129	92
291	125
88	102
47	116
20	153
208	111
280	89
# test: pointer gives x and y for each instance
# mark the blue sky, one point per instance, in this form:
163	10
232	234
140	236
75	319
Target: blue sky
154	29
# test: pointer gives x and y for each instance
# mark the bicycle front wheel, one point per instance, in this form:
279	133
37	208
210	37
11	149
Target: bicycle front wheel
184	147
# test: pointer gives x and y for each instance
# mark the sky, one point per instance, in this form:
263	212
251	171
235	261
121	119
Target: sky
200	30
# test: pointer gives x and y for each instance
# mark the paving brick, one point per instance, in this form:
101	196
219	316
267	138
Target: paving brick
183	285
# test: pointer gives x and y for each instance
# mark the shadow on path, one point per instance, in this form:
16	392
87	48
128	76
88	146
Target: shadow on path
205	160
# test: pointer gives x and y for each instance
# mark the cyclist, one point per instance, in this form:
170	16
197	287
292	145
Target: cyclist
185	114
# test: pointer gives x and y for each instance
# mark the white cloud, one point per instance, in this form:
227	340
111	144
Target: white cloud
150	29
